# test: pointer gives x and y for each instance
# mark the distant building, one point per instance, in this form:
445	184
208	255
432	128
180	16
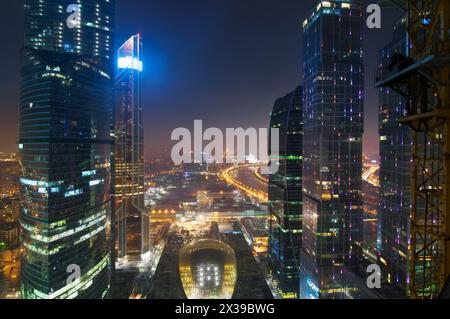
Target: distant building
332	148
9	241
9	176
195	168
213	197
9	233
66	145
285	195
9	209
132	219
395	177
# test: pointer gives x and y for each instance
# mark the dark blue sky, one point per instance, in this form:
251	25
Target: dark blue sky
223	61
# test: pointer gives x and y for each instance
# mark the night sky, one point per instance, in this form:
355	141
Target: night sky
222	61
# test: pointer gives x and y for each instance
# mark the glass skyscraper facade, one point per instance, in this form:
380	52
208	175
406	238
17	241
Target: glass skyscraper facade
332	149
285	195
66	145
132	220
395	176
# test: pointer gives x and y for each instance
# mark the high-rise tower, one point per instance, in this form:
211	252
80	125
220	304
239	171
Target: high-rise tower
395	176
332	148
132	220
285	194
66	148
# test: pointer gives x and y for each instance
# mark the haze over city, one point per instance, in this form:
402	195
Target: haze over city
208	60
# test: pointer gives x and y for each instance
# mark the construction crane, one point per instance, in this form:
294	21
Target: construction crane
423	79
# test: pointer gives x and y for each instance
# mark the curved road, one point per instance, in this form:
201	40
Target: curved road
369	175
247	179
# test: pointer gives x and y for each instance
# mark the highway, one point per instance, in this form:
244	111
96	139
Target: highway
369	175
247	179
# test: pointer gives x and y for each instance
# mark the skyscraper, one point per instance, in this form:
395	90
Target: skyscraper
132	220
66	148
332	148
285	195
395	175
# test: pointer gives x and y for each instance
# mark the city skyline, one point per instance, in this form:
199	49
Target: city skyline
186	62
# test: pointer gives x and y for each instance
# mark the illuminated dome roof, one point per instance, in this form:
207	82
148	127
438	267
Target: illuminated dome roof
208	270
